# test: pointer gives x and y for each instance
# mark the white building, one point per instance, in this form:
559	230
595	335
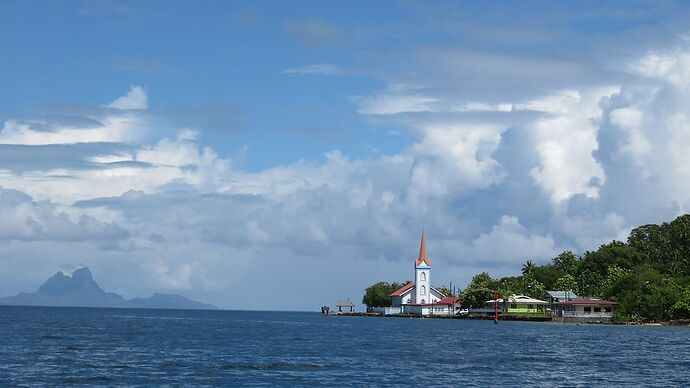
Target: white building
419	297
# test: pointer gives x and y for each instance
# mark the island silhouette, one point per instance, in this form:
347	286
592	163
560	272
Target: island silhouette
80	290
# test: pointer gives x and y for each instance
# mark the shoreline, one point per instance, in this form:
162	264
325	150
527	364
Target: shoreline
671	323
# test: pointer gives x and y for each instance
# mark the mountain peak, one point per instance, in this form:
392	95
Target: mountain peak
82	275
60	284
80	289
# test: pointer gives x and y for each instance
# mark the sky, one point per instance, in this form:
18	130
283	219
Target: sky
286	155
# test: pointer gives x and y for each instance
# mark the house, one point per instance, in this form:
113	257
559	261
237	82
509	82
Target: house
419	297
445	306
345	306
560	296
585	310
520	305
554	297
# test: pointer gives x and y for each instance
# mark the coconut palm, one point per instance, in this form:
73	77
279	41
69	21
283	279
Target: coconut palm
527	267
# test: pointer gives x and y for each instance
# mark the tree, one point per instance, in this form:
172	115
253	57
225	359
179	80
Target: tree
378	295
566	282
588	282
481	280
547	275
532	287
444	290
614	253
614	274
566	262
478	291
527	267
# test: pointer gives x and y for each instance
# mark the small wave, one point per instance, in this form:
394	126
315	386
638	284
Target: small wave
299	339
274	366
154	317
172	365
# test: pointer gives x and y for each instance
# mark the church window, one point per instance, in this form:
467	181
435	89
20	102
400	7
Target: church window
422	276
422	290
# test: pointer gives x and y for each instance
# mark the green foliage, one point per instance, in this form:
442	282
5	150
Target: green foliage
566	282
649	275
547	275
532	287
567	262
378	295
481	280
443	290
667	245
614	253
527	267
613	276
479	291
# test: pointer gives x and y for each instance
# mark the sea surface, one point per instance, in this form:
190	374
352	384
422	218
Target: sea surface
132	347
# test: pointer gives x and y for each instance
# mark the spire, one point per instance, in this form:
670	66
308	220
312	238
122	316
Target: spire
422	252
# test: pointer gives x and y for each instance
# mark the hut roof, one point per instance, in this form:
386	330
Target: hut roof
345	303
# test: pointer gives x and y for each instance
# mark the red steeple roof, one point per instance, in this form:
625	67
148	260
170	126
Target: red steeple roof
422	252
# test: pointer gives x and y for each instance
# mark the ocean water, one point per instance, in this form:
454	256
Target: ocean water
128	347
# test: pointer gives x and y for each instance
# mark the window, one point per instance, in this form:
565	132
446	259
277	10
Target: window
588	310
597	309
513	306
422	290
607	309
530	306
422	277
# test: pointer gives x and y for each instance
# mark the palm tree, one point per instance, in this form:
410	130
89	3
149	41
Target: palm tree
527	267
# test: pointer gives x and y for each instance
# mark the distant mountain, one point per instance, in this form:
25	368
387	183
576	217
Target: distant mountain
169	301
80	290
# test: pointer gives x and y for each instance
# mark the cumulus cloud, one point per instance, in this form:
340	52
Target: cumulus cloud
494	179
136	98
23	218
507	237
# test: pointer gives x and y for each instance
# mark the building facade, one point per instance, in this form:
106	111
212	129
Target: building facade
419	297
520	305
585	310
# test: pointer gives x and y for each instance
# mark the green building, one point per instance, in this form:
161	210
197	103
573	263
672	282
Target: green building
521	305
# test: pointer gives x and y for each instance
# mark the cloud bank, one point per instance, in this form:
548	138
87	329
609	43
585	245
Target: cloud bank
533	164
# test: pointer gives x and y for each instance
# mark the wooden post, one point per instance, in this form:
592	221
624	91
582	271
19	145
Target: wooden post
495	308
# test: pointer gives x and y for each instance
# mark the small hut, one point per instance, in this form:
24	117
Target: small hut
345	306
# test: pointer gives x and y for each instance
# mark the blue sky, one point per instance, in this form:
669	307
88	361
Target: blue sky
286	155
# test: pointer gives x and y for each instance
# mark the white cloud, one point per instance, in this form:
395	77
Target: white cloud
453	159
318	69
115	129
510	241
673	67
192	220
22	218
565	141
136	98
391	104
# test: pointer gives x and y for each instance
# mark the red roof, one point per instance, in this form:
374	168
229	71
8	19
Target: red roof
447	300
422	252
403	289
581	301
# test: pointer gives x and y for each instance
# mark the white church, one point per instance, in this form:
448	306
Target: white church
419	297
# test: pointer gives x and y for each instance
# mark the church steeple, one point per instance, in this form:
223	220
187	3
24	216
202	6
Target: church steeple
422	252
422	275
